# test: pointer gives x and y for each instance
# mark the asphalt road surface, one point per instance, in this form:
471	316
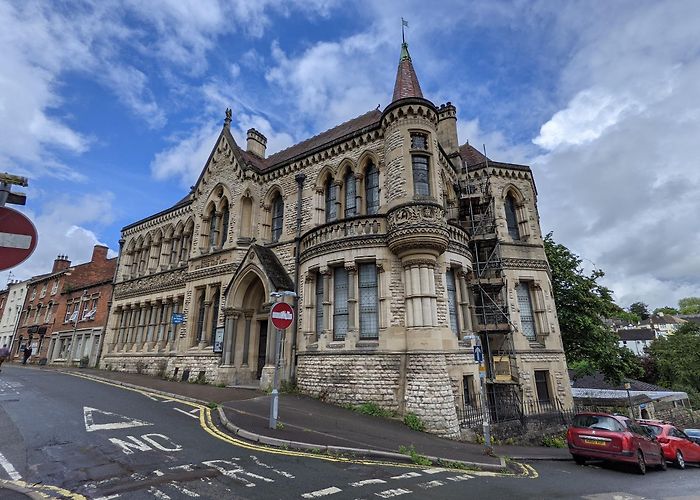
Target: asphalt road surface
72	438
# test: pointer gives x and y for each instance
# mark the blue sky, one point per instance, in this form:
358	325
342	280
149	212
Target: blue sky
111	108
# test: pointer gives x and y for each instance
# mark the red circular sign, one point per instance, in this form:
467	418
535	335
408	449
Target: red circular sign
17	238
282	315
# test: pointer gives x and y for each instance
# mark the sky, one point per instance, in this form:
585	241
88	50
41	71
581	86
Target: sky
111	108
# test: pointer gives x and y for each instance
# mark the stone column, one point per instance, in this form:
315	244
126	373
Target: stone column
339	212
382	297
206	327
421	300
170	327
359	194
230	337
327	310
351	268
246	338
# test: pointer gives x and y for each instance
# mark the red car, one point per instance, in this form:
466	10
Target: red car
677	446
614	438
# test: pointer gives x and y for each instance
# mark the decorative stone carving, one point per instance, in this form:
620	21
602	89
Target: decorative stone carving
417	226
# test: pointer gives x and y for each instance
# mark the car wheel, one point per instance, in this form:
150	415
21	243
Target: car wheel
680	461
579	460
641	464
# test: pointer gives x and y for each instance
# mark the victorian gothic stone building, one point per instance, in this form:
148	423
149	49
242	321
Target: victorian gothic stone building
403	247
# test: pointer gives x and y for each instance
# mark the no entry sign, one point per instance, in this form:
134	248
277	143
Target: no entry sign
282	315
17	238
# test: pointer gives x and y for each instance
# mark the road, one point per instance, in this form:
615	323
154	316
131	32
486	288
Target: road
77	438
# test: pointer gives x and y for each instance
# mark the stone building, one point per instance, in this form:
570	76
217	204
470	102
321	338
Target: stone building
11	309
373	223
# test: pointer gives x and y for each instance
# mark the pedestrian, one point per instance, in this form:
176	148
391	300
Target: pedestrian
27	353
4	354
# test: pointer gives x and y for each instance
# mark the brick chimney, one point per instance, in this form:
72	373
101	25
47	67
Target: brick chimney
60	263
256	143
99	253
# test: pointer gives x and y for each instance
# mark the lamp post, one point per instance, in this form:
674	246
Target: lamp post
274	402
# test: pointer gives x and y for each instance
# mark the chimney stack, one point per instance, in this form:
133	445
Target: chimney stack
99	253
60	263
257	143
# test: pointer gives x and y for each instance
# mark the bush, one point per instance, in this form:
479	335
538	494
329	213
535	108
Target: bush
554	441
374	410
416	458
414	422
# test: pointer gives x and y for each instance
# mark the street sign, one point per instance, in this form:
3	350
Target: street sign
177	318
282	315
478	354
18	238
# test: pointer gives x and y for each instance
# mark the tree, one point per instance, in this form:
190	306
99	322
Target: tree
640	309
582	304
689	305
666	310
677	360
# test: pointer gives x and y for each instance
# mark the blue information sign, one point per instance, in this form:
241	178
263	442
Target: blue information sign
178	318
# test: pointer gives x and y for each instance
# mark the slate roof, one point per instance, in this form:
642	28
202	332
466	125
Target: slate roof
273	268
597	381
636	334
471	155
406	80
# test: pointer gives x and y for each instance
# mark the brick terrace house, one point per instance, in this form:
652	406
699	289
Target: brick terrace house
402	246
48	295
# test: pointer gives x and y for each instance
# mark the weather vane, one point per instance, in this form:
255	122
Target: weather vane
404	24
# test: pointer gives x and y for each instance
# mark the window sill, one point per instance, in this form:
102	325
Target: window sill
367	344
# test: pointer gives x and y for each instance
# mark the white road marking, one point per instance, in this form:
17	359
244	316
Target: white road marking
235	472
184	490
393	493
160	446
408	475
433	470
12	240
110	497
9	468
367	481
430	484
189	414
261	464
322	493
461	477
158	494
123	423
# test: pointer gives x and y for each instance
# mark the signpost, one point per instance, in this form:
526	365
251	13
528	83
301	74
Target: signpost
282	317
177	318
219	340
18	238
479	358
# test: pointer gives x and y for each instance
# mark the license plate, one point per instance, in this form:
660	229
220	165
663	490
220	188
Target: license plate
595	443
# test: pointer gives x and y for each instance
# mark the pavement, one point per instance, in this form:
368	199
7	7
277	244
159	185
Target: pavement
312	425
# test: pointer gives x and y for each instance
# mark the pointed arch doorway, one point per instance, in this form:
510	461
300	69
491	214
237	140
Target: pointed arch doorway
247	337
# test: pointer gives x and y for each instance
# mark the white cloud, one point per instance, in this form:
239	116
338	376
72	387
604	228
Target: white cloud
66	225
186	158
589	114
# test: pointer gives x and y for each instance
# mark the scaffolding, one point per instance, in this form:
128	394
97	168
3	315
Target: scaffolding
487	284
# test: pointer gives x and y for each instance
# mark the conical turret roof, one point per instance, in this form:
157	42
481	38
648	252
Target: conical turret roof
406	80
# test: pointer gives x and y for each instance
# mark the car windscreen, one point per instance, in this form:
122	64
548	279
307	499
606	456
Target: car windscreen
601	422
693	432
655	429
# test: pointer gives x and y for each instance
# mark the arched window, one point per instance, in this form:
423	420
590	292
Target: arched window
214	315
421	175
224	222
512	218
213	228
331	212
350	193
277	217
372	189
247	217
201	310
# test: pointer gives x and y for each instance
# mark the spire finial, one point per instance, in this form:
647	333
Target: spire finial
227	120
